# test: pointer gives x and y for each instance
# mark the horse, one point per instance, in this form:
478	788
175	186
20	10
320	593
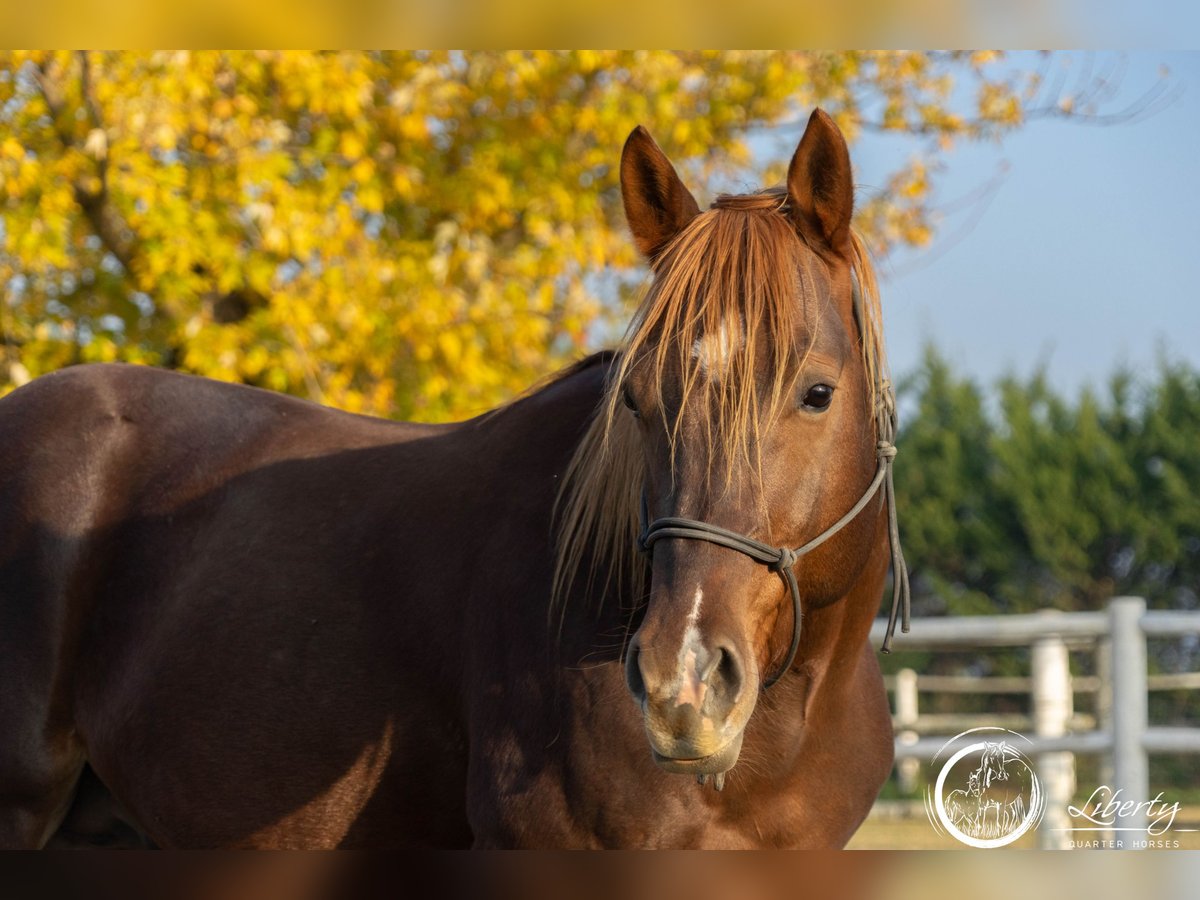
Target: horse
994	792
962	805
252	621
988	796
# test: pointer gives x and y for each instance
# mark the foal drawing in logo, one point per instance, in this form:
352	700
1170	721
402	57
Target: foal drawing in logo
986	793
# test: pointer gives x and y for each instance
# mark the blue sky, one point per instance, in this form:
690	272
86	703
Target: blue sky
1086	257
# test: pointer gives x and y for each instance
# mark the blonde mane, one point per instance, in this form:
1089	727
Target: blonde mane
731	263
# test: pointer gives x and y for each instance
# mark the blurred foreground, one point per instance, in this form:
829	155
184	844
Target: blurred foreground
664	876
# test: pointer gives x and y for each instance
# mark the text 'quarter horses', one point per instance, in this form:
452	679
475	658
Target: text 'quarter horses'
240	619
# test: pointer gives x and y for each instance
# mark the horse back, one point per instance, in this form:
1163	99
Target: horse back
161	435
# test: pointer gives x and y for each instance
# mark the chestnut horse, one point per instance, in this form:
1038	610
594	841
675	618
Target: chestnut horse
243	620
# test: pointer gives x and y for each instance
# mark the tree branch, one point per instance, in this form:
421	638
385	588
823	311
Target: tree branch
93	200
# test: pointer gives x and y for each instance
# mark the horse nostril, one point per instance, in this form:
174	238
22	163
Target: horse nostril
724	673
633	672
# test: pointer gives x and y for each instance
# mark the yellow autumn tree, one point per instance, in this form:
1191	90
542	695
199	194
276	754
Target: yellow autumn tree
409	234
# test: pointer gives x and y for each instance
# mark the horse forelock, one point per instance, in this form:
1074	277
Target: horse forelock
735	281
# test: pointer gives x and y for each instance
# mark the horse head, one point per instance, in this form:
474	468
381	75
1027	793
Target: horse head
743	402
994	763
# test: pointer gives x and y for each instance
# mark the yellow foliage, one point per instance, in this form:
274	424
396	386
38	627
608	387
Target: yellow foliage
415	234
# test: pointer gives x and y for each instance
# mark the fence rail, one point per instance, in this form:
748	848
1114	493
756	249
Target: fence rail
1122	734
1004	684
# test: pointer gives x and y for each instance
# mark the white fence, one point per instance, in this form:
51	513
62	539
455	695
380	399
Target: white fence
1120	732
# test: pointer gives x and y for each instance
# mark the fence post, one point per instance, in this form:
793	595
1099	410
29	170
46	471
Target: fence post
1130	764
1104	705
908	768
1052	710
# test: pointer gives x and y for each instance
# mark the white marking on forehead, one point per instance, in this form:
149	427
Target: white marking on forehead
714	348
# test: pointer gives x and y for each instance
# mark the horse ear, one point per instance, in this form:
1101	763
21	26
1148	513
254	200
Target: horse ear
657	205
819	185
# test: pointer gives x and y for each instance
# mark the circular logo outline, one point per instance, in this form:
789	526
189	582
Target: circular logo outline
935	801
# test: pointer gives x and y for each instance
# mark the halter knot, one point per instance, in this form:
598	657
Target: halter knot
885	450
787	559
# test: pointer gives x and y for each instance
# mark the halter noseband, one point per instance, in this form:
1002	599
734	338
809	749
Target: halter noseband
784	559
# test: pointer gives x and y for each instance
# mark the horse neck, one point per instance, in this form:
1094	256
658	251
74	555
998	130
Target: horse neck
526	447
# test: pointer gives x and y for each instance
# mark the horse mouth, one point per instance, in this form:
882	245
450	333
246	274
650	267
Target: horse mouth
714	764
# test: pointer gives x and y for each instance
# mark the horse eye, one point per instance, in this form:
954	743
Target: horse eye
627	399
818	396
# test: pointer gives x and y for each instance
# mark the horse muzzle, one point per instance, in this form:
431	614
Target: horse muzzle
694	712
714	764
